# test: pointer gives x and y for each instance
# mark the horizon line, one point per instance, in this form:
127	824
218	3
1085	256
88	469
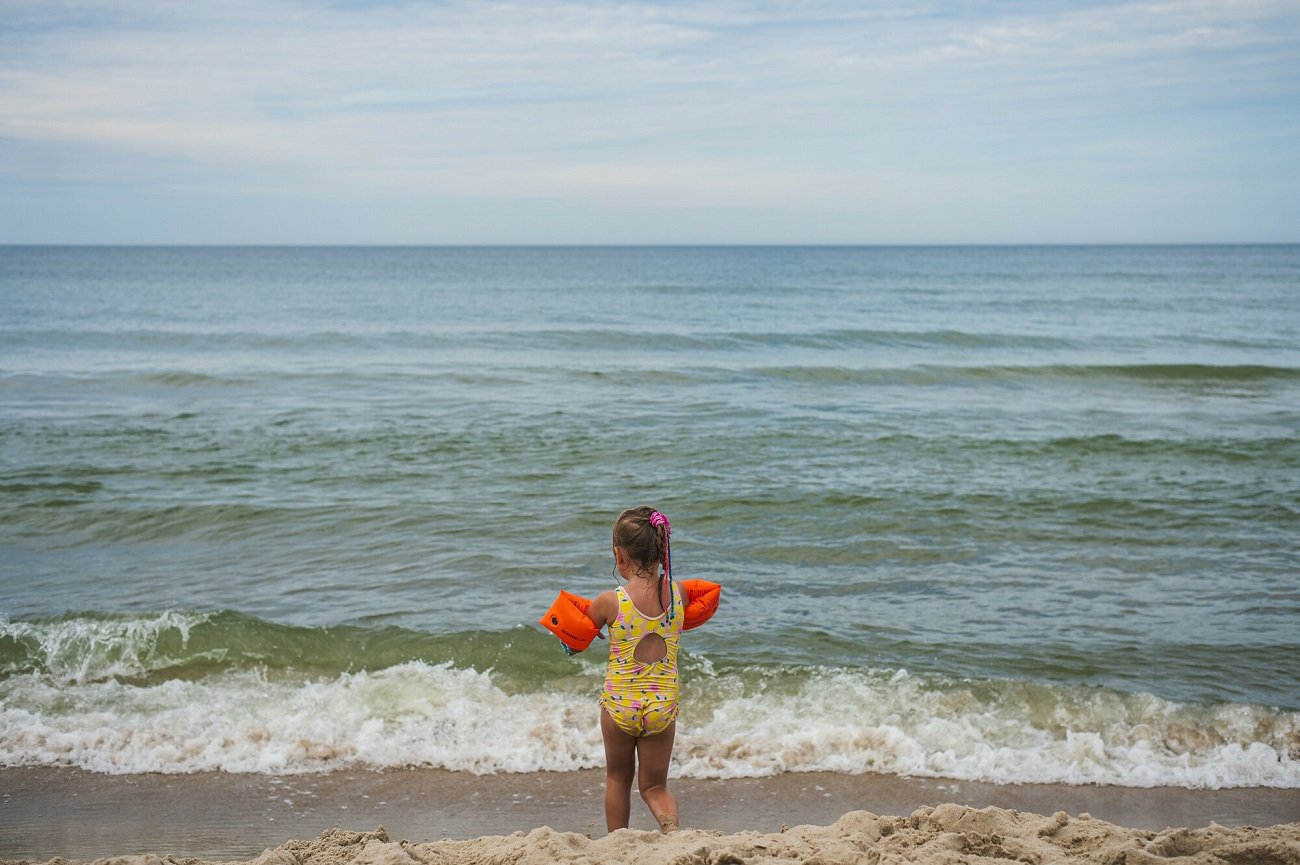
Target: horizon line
634	245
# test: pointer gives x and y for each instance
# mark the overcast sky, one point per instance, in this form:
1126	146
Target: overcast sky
900	121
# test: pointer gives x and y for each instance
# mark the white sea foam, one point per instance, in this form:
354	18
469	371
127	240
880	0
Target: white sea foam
1001	732
733	725
411	714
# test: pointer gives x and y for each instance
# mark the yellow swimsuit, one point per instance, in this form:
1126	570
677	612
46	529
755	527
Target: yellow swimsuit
640	697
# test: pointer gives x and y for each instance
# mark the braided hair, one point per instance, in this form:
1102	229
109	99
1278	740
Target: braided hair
643	534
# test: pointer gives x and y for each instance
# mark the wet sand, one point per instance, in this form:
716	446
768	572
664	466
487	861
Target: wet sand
47	813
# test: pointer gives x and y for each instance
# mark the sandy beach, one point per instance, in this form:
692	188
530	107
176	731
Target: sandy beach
930	836
438	816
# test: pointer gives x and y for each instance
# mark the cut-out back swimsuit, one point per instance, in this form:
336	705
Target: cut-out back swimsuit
640	697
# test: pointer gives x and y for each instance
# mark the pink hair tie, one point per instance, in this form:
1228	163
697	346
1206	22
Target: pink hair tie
657	519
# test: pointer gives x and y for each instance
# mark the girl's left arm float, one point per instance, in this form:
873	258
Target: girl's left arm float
567	617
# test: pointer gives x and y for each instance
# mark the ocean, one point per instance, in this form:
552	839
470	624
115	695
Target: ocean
1008	514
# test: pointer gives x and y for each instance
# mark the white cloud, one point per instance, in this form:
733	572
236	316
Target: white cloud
631	104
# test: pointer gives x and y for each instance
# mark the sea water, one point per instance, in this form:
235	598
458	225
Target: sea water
1007	514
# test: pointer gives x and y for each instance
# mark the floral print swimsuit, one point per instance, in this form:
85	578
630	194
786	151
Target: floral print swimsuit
641	697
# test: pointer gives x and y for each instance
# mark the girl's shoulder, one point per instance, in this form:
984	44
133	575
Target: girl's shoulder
604	609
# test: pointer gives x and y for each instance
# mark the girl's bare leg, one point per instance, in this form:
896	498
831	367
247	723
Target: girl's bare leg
654	753
620	767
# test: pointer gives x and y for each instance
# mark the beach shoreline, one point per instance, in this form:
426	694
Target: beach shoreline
48	813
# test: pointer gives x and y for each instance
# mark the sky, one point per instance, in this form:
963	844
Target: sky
483	122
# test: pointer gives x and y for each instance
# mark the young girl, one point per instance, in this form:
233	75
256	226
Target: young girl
638	706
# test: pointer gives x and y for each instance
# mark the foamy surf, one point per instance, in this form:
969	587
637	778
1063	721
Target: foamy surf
1002	732
175	693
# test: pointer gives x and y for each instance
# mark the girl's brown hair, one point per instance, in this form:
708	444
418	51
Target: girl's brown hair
644	543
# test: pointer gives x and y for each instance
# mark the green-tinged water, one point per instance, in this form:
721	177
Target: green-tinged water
1007	513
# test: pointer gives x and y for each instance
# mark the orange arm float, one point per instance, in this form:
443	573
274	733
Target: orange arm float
567	619
701	601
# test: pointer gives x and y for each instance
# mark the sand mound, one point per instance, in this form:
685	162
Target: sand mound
931	836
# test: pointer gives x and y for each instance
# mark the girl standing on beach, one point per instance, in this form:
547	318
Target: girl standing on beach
638	705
